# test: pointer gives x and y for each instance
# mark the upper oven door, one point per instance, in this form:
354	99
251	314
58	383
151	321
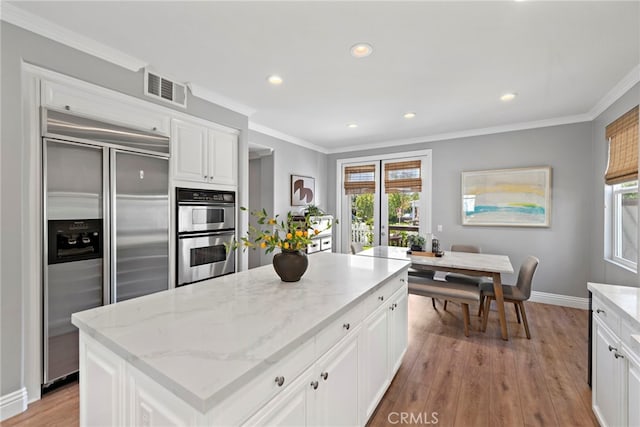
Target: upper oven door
210	217
203	256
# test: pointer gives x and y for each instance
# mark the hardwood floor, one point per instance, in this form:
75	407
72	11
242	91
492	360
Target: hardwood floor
476	381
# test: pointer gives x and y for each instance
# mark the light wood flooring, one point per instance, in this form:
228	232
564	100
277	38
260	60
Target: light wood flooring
476	381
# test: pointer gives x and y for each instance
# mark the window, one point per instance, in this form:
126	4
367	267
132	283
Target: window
622	177
625	224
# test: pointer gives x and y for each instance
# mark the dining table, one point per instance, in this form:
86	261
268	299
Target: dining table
471	264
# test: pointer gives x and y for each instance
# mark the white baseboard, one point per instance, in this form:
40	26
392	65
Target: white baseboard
13	403
556	299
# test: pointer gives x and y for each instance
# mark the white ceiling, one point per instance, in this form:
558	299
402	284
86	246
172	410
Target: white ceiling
447	61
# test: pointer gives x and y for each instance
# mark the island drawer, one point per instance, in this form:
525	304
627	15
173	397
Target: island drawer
339	328
384	292
606	314
268	384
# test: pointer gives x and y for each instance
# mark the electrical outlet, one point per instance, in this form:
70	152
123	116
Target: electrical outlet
439	227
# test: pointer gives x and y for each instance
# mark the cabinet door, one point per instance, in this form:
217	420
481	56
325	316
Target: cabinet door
336	398
223	157
374	360
292	407
607	384
398	329
633	389
189	151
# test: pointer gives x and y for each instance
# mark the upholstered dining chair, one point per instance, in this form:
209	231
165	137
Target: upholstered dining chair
463	278
356	247
517	294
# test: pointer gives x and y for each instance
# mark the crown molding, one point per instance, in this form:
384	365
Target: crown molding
21	18
221	100
288	138
468	133
623	86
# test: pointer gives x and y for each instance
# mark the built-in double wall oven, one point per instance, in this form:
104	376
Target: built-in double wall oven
206	221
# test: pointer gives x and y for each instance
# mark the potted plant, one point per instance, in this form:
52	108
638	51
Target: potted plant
290	236
416	242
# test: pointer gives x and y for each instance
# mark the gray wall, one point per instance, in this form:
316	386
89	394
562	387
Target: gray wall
293	159
260	197
601	270
563	248
17	45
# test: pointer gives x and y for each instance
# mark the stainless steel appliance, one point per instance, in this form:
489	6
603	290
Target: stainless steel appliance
106	224
206	221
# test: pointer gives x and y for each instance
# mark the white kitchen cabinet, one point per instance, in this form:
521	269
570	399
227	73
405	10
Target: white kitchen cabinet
203	154
398	332
374	362
616	356
607	390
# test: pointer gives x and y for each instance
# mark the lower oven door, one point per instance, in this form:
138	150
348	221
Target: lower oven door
203	256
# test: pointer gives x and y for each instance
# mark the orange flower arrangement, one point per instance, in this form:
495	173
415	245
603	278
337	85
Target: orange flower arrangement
288	236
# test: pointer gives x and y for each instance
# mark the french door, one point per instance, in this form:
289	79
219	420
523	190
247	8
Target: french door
384	201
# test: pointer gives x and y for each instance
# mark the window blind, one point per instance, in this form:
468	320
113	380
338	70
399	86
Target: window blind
403	176
360	179
622	135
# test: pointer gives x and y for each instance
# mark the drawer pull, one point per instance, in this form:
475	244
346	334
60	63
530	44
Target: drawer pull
314	385
324	375
381	298
280	381
391	307
599	311
67	107
205	177
395	305
618	355
612	348
402	280
346	326
154	128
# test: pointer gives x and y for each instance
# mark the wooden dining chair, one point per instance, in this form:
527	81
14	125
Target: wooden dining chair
517	294
463	278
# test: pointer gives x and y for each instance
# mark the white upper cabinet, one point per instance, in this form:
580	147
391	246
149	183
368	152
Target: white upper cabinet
203	154
189	151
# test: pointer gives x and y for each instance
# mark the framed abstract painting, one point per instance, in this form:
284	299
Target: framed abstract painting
303	190
507	197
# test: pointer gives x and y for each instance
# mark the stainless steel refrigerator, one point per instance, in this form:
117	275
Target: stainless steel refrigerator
106	224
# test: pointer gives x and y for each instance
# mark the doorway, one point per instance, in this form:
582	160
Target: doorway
261	195
382	200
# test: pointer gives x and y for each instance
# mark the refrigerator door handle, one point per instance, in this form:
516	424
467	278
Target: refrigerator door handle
112	228
106	213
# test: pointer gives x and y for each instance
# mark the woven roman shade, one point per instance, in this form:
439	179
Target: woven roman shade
622	135
360	179
403	176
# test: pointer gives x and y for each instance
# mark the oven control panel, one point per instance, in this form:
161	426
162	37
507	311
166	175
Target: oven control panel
187	195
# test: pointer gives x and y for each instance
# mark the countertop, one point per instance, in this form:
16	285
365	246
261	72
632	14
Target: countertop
626	298
206	340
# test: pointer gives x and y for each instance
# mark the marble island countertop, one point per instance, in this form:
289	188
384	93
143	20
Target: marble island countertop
206	340
626	298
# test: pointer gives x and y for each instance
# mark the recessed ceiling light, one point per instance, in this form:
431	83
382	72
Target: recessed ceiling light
274	79
409	115
352	125
508	96
361	50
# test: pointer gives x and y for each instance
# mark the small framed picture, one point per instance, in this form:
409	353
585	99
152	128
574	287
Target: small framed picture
303	190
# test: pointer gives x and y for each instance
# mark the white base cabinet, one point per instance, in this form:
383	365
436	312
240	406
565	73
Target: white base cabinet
336	378
616	366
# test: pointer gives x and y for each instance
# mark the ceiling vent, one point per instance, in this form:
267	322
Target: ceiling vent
167	90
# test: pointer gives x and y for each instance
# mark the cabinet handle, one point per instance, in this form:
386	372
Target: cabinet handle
346	326
381	298
599	311
154	128
314	385
324	375
391	307
402	280
612	348
67	107
206	177
279	381
618	355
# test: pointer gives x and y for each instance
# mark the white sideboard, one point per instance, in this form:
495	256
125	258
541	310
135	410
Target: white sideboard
616	354
248	349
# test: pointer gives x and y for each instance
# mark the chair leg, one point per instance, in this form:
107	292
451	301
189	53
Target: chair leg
485	317
433	302
480	305
445	305
515	305
465	318
524	319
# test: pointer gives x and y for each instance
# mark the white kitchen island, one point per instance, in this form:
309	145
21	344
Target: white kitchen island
249	349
